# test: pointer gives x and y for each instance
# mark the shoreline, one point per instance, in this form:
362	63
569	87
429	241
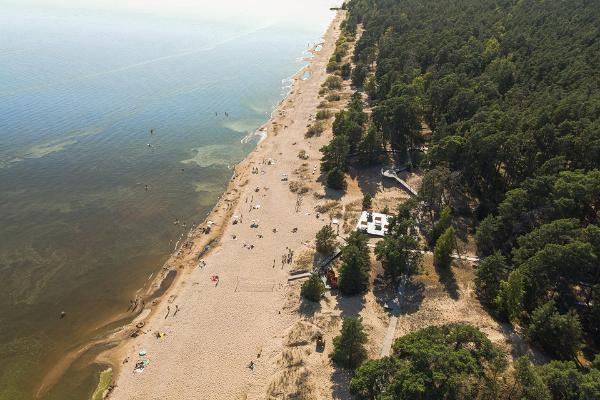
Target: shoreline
203	246
196	244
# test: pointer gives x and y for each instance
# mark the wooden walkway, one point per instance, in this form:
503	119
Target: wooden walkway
389	337
390	173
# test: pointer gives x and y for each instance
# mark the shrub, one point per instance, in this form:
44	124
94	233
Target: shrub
333	97
315	129
345	71
313	288
333	82
326	240
323	114
332	66
298	187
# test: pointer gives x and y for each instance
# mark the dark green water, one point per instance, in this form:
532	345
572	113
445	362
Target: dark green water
79	92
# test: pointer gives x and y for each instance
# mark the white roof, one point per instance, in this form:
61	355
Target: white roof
377	226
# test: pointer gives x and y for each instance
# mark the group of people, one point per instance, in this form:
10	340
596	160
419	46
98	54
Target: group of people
169	310
287	257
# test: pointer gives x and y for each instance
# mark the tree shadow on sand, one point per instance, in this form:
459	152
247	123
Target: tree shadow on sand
350	306
341	382
409	302
369	179
448	279
331	194
412	298
308	308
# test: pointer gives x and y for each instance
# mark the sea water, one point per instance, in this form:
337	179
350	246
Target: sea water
88	195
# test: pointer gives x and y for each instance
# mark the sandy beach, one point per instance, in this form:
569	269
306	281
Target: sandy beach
228	310
230	304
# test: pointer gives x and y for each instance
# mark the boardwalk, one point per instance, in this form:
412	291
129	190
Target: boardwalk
390	173
389	337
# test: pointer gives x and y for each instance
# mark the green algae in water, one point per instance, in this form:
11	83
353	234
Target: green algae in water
104	382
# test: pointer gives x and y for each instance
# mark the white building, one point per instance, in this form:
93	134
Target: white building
373	223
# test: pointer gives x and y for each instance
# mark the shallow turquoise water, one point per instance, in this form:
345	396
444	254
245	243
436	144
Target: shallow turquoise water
80	89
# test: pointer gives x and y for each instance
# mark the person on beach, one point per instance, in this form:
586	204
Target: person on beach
168	311
176	310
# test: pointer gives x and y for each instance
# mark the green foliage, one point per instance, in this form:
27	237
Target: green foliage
333	97
490	272
369	147
398	121
354	273
561	231
332	66
347	130
373	377
509	301
367	201
557	380
545	231
315	129
333	82
558	334
313	288
563	379
440	226
345	125
399	249
485	236
326	240
531	385
511	92
453	361
323	114
104	382
359	74
434	190
345	71
336	179
348	348
335	154
442	252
